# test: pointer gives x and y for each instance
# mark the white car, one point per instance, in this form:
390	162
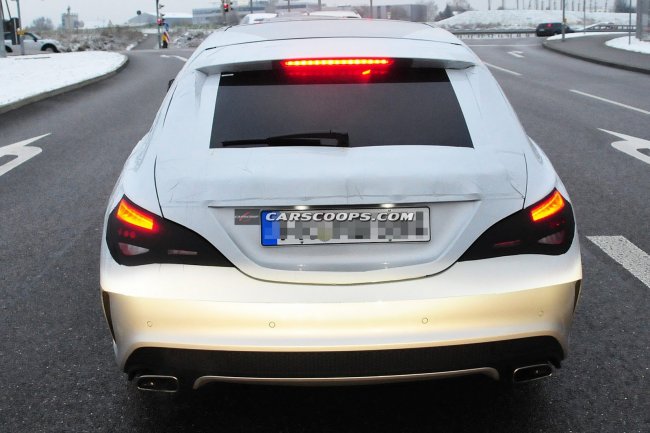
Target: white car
335	200
335	14
33	43
256	18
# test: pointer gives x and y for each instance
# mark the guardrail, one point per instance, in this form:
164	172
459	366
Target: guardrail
478	34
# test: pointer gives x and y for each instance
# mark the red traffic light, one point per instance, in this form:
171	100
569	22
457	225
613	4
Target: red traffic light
226	7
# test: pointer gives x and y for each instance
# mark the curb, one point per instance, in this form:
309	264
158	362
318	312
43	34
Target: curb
550	46
35	98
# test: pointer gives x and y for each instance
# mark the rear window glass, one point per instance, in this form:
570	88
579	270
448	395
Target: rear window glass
407	106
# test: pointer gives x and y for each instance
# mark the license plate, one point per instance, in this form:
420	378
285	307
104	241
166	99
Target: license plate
344	226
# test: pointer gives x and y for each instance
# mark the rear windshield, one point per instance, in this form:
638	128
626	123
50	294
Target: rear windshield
407	106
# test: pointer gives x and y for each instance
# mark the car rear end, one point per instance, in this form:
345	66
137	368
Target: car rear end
333	202
548	29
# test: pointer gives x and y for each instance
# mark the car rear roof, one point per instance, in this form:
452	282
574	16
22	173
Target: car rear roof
326	27
253	47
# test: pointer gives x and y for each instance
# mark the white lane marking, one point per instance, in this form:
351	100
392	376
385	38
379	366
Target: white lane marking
629	107
182	59
631	145
21	151
498	68
634	259
517	54
497	46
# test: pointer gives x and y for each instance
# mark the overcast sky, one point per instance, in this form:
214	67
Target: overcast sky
118	11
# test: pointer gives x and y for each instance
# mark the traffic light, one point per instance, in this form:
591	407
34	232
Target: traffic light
226	7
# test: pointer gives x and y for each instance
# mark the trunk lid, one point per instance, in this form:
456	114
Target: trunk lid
219	192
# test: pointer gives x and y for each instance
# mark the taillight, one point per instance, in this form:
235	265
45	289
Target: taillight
546	227
361	68
129	213
548	207
136	236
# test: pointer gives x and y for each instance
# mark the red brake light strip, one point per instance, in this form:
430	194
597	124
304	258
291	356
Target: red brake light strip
337	62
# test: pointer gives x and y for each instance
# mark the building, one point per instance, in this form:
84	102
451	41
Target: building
178	19
206	16
142	19
405	12
70	21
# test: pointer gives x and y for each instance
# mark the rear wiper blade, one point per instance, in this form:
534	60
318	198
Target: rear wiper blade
330	138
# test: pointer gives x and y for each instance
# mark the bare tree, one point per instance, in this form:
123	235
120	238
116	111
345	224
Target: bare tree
623	6
42	24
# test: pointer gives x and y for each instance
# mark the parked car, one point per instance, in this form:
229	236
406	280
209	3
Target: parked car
550	29
33	43
337	14
256	18
337	201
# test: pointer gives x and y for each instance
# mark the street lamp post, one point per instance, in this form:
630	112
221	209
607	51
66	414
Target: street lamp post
563	19
20	34
629	35
3	50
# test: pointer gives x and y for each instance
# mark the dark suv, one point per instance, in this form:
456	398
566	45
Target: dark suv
550	29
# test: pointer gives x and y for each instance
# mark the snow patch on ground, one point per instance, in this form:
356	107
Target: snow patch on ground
32	75
527	19
619	43
623	44
582	35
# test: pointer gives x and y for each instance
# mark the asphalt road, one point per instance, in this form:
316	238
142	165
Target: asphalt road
58	371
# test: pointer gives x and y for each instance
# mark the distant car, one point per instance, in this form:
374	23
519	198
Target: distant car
337	201
334	14
256	18
33	43
550	29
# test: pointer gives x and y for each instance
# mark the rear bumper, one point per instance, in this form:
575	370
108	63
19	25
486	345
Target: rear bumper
203	366
217	322
341	342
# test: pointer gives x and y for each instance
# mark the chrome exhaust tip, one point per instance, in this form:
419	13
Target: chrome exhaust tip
156	383
532	372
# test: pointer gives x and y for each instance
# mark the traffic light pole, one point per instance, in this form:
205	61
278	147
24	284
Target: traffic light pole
157	25
3	50
20	35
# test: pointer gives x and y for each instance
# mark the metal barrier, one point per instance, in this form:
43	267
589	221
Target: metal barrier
491	34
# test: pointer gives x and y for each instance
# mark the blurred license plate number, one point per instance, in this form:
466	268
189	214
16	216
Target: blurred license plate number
344	226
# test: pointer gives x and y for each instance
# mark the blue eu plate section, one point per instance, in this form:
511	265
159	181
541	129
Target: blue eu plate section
270	230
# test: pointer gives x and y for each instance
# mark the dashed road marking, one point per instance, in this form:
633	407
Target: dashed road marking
631	257
182	59
498	68
500	46
517	54
629	107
